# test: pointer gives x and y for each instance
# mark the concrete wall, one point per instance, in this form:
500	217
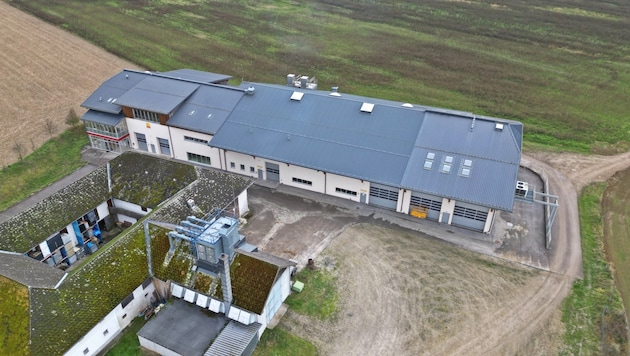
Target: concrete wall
112	324
152	131
181	147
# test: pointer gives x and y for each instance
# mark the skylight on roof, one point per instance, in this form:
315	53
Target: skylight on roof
430	155
448	159
446	168
367	107
467	163
297	95
465	172
428	164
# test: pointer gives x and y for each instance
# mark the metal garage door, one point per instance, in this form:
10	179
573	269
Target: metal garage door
273	171
432	203
383	196
470	216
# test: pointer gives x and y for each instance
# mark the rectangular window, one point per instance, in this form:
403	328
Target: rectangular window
302	181
242	167
346	191
165	147
128	299
142	142
198	158
252	170
145	115
105	332
194	139
86	351
232	165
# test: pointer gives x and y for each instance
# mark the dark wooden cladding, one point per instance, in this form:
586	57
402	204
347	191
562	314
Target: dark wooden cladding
163	118
127	111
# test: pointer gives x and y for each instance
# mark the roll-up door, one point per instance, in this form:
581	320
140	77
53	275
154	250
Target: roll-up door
273	171
431	203
383	196
470	216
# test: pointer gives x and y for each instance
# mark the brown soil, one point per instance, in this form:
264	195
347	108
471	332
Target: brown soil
45	72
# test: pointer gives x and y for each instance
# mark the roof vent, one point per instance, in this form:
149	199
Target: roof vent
367	107
334	91
498	126
407	105
297	96
290	79
250	90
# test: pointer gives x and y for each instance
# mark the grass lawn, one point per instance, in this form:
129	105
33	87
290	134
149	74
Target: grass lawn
560	68
594	307
128	343
319	296
278	342
52	161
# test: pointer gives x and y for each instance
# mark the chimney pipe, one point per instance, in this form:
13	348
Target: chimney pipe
226	283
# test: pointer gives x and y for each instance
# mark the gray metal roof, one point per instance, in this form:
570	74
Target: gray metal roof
322	132
197	75
206	109
234	339
388	145
157	94
29	272
493	156
105	97
102	117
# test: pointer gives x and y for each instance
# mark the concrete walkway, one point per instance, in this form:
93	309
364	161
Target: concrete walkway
94	158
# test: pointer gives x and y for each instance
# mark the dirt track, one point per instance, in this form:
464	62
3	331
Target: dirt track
45	72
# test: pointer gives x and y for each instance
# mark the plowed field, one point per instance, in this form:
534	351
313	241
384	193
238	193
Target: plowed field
44	72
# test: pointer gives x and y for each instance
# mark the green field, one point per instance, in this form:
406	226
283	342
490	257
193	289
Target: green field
562	68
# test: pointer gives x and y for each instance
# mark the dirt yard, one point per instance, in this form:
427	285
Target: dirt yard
45	72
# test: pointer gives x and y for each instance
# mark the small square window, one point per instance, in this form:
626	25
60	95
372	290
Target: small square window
448	159
465	172
430	155
232	165
105	332
252	170
242	167
86	351
446	168
467	163
428	165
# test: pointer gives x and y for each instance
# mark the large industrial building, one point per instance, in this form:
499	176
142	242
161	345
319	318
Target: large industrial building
449	166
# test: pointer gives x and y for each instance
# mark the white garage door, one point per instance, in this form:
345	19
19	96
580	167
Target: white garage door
432	203
470	216
383	196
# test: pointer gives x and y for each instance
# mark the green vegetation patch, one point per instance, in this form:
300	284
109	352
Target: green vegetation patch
52	161
14	321
128	344
560	69
278	342
593	314
252	280
59	318
319	297
148	180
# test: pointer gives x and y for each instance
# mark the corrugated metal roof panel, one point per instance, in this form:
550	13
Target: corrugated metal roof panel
157	94
197	75
102	99
102	117
206	109
233	340
319	132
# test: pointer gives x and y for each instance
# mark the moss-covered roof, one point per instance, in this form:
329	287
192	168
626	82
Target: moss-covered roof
42	219
252	280
59	318
13	318
148	180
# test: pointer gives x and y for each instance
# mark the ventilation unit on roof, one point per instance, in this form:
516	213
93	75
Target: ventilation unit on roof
297	96
521	189
367	107
303	81
498	126
250	90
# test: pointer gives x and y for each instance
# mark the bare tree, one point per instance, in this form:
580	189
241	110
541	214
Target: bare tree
19	149
72	119
51	127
